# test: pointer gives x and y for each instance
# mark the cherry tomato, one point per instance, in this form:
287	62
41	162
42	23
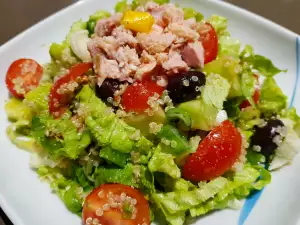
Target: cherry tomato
209	40
63	89
255	96
216	154
135	98
22	76
116	204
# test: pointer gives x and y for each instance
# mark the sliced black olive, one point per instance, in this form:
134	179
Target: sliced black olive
185	86
107	89
268	136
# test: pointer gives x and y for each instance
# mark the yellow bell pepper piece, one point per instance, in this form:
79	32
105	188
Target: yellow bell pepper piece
138	21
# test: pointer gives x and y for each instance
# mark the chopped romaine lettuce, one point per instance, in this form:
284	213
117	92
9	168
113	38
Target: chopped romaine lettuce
18	133
59	137
272	99
163	162
100	14
216	90
173	142
192	13
70	192
204	111
229	46
219	23
230	69
260	63
248	82
291	114
38	99
248	118
114	156
179	115
106	127
16	110
121	6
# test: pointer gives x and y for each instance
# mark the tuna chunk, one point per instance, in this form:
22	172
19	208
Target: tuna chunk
161	57
107	44
175	64
104	27
172	14
181	30
127	55
146	57
193	54
155	42
191	23
107	68
145	69
124	36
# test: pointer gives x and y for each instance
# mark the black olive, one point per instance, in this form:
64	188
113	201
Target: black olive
185	86
268	136
107	89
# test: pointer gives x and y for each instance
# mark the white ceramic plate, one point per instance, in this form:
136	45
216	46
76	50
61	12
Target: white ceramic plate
27	201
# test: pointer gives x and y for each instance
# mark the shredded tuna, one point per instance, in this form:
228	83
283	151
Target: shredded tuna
172	14
104	27
108	44
155	42
146	57
191	23
124	36
175	64
183	31
108	68
144	70
193	54
127	55
161	57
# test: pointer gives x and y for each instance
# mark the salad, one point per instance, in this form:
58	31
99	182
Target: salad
151	113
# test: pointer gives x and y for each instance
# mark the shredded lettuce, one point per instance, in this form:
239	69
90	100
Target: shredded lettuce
248	82
272	99
163	162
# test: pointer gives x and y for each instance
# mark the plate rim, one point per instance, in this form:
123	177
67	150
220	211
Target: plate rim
9	211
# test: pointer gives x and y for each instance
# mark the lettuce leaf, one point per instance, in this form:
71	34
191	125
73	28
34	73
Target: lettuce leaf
16	110
70	192
115	157
106	128
192	13
260	63
163	162
219	23
59	137
203	111
272	99
230	69
38	98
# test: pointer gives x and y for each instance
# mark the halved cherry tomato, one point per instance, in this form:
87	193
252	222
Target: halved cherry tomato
116	204
135	98
209	40
22	76
216	154
255	96
63	89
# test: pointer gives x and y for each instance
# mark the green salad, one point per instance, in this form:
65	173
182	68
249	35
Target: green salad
151	113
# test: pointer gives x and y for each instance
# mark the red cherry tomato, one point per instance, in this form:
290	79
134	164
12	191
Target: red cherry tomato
209	40
116	204
255	96
63	89
215	155
22	76
135	98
